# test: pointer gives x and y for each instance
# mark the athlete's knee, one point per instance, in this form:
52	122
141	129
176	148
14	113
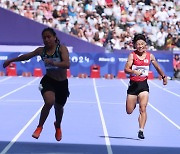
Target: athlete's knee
58	106
142	109
129	111
48	105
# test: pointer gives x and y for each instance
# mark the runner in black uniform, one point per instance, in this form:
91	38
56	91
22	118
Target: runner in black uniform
54	84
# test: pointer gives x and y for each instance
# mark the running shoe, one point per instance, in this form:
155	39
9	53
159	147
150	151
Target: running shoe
58	133
141	135
37	132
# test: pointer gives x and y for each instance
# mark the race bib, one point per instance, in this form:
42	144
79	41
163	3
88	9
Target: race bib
143	69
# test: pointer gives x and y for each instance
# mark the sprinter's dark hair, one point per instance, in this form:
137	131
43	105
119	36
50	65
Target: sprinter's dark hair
138	37
52	32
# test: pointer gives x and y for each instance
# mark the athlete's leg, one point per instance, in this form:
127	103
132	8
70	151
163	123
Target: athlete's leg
49	99
143	101
131	101
59	110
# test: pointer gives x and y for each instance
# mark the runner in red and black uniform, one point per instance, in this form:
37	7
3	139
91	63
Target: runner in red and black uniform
138	91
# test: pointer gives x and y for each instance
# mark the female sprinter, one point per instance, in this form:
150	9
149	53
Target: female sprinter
54	84
138	91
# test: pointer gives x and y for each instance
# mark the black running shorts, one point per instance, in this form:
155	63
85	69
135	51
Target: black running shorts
60	88
136	87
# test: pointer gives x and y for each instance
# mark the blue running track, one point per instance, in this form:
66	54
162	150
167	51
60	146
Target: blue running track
94	122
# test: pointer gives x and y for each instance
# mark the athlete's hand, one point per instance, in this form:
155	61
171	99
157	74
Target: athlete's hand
49	62
6	63
137	72
165	80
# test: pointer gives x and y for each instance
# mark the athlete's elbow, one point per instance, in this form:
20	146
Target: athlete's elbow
67	65
126	70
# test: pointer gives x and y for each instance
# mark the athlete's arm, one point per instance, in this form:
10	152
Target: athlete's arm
23	57
65	58
159	70
128	66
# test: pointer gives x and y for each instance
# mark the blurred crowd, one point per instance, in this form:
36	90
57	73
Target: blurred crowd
108	23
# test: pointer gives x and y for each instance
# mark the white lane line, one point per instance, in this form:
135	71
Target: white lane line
71	102
23	129
19	88
20	132
164	89
7	78
108	144
162	114
20	100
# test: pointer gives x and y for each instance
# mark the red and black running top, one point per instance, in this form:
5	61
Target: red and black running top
140	65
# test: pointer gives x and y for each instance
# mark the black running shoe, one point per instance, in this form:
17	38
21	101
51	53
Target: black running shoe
141	135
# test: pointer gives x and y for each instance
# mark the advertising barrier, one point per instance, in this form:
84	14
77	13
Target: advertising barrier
109	63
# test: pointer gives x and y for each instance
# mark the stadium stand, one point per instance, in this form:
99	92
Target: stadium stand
107	23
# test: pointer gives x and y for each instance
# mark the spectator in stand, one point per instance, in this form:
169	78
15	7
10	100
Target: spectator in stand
75	30
115	40
91	20
64	14
178	27
176	65
101	4
56	14
147	15
177	41
51	22
164	25
130	17
81	19
177	5
89	34
71	12
47	13
153	12
161	37
101	32
116	11
150	31
89	7
96	39
161	15
79	8
139	17
81	33
67	27
171	11
28	13
169	42
108	11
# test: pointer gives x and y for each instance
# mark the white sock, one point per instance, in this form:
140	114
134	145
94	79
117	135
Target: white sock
141	129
